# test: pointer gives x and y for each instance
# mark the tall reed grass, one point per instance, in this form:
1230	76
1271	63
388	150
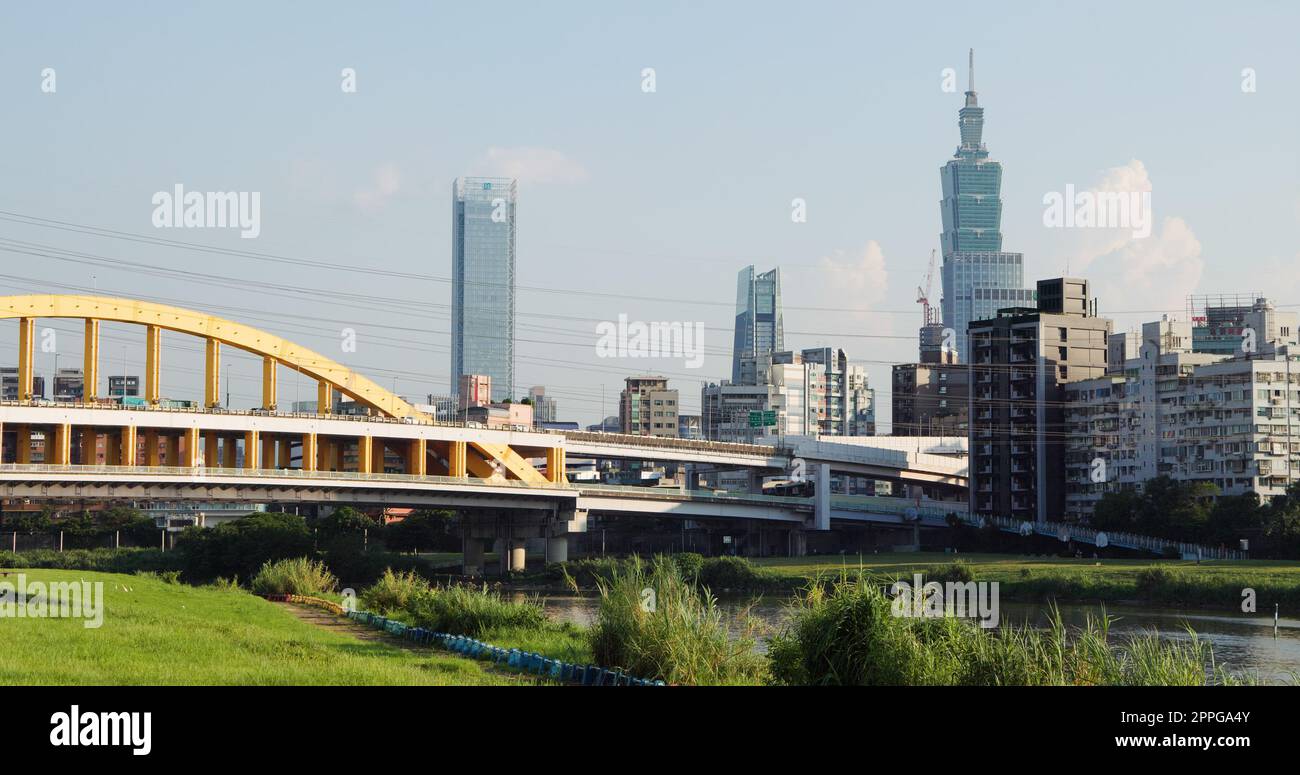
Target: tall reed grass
294	576
654	623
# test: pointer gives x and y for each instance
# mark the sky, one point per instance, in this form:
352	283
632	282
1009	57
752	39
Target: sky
635	202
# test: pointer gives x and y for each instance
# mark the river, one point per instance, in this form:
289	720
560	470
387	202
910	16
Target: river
1244	643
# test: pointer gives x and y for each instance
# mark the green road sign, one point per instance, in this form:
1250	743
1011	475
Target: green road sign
761	419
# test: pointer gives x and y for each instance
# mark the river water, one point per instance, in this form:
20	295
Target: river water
1244	643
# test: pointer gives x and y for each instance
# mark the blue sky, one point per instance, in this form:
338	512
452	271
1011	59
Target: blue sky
647	204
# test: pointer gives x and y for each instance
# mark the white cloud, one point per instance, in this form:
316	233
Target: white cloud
387	182
1092	243
1156	273
535	165
857	280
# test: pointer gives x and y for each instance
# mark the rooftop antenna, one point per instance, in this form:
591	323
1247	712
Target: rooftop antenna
972	71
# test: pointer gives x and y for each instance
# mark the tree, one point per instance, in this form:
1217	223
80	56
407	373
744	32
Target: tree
345	519
423	530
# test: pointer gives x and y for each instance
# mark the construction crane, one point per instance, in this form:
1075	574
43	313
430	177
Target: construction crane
923	295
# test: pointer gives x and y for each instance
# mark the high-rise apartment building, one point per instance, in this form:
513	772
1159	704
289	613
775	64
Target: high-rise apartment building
759	328
483	281
648	407
979	278
845	404
1230	420
1020	362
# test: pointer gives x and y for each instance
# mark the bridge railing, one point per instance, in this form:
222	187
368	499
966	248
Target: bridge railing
1089	535
602	437
204	472
665	493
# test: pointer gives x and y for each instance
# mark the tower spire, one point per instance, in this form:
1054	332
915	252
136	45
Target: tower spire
972	99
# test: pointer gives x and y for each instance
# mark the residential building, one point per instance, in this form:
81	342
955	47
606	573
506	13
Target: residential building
483	282
69	385
473	390
648	407
1020	363
1193	416
9	384
930	399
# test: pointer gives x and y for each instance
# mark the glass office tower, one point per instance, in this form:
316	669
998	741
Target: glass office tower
759	329
483	282
978	277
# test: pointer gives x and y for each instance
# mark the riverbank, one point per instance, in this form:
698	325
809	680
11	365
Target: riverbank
157	632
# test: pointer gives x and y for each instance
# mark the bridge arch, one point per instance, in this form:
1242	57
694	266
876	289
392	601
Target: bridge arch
329	374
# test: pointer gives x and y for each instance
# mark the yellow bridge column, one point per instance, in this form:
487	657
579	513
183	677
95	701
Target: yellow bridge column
268	383
309	452
174	451
89	446
415	458
23	445
250	450
555	465
90	361
228	452
153	364
128	445
26	356
324	398
377	456
113	448
191	459
211	458
365	445
151	456
212	375
456	459
268	458
61	453
285	447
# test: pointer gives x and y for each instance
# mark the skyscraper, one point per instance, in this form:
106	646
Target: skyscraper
978	277
483	282
759	330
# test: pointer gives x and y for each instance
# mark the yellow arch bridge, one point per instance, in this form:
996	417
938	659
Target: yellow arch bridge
97	431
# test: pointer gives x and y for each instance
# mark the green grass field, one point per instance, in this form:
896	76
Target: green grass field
159	633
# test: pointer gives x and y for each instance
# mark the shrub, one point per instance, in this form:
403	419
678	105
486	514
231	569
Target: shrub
393	592
295	576
735	573
848	635
957	571
678	634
